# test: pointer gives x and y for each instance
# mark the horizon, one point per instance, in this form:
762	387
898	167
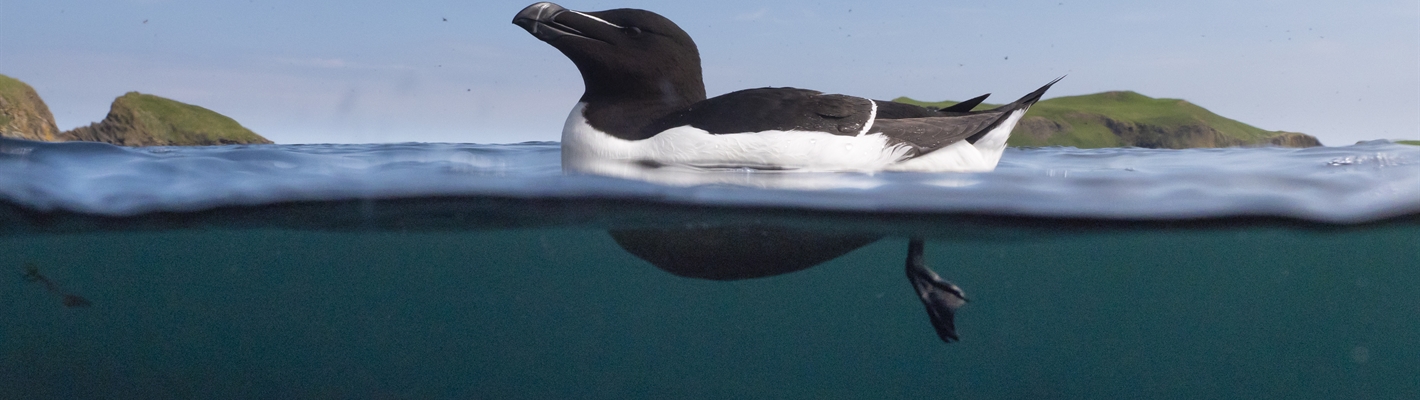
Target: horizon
321	72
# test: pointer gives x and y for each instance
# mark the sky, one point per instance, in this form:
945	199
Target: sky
460	71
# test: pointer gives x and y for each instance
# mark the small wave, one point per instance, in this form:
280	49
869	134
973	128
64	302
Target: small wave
1353	184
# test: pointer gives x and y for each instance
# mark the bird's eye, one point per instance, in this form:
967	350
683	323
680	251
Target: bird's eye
632	31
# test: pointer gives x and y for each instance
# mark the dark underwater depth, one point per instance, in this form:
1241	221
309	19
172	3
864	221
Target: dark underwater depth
562	313
496	278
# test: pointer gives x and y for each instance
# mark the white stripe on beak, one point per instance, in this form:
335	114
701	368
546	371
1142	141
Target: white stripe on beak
595	18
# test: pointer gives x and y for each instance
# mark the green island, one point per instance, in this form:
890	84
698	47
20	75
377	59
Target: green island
1409	142
134	119
137	119
22	114
1123	118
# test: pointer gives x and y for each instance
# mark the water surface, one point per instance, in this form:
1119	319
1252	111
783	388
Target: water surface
482	271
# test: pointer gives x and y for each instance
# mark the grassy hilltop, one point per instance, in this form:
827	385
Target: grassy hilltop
134	119
23	114
137	119
1118	119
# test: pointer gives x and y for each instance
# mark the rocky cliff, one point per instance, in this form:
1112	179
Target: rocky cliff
1124	119
137	119
23	115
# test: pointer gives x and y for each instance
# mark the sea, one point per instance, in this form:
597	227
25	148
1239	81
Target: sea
475	271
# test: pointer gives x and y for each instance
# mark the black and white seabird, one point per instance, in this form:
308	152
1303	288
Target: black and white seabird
645	107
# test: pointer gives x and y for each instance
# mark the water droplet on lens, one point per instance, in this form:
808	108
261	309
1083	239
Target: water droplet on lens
1360	354
1341	161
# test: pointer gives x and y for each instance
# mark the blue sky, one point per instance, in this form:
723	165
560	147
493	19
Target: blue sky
359	71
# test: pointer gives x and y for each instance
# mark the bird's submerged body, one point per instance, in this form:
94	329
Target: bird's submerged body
645	107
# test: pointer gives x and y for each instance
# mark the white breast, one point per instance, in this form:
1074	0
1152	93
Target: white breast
961	156
586	149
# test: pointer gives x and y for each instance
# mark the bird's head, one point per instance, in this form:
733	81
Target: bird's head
621	53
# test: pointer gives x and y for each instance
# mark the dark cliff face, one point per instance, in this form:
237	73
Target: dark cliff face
1154	136
1293	139
137	119
1184	136
1169	137
1134	120
23	115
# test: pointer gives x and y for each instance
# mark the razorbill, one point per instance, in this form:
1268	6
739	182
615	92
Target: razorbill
644	107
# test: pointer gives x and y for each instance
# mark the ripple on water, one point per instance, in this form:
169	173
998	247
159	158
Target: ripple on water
1350	184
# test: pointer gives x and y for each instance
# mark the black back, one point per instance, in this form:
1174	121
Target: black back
783	109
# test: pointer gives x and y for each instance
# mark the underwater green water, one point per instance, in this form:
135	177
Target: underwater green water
1246	312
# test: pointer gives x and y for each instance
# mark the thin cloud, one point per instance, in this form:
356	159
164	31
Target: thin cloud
753	16
337	63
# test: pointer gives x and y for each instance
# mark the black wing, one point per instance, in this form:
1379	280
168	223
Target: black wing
966	106
764	109
932	133
785	109
895	110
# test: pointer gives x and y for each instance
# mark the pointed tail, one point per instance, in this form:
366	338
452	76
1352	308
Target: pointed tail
1028	99
966	106
1007	110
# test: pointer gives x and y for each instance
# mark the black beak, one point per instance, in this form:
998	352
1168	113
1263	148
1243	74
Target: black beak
538	19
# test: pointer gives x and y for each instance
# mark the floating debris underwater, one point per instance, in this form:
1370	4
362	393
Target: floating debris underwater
69	300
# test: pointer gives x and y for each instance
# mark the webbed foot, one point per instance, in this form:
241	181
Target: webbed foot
941	298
